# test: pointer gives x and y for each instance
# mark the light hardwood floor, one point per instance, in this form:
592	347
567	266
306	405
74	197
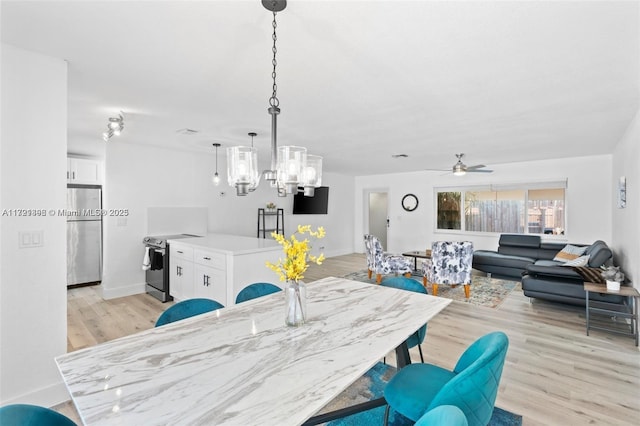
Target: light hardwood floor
554	374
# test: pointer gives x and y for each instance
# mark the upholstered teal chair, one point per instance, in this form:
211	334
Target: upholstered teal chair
32	415
409	284
255	290
444	415
472	386
187	308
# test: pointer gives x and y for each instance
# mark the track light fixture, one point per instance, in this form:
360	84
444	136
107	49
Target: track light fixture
114	127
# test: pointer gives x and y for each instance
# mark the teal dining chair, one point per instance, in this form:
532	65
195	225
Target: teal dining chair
255	290
32	415
410	284
472	386
443	415
186	309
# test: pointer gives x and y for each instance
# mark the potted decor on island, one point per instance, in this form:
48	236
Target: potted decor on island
614	276
292	268
271	207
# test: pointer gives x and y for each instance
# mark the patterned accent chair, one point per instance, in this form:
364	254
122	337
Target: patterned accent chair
450	264
382	263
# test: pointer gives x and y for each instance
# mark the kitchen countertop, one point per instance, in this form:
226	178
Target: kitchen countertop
229	244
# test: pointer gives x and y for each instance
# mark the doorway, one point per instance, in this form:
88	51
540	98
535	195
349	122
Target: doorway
378	215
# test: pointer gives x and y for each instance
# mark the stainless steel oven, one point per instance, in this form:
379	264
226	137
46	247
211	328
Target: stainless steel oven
157	270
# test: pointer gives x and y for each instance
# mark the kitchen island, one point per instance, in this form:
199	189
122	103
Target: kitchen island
218	266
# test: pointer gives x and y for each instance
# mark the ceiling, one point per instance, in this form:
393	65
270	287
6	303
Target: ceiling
358	81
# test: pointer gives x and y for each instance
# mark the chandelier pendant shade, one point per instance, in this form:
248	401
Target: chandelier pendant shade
242	169
289	167
312	175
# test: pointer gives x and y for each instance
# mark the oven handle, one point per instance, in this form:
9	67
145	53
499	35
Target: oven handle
157	250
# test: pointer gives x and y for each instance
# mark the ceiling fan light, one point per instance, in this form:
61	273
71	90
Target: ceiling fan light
459	170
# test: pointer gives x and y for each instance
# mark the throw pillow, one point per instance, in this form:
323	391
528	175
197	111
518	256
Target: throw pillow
578	261
569	252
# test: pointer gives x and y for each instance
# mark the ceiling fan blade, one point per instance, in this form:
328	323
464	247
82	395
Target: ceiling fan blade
477	166
479	171
437	170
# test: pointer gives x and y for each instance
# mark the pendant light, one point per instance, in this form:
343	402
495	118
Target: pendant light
288	163
216	177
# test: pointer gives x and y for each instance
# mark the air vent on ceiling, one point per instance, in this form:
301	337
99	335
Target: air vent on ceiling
187	131
399	156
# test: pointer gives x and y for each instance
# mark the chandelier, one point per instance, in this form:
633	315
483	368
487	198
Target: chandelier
291	167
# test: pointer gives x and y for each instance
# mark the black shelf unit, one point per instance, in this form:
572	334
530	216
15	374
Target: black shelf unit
262	214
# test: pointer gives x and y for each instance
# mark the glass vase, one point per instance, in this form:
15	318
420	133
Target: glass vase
295	294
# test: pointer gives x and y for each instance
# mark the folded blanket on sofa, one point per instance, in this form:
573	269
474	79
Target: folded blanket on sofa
589	274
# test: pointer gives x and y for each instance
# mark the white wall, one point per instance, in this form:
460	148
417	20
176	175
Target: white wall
179	178
588	196
33	304
626	222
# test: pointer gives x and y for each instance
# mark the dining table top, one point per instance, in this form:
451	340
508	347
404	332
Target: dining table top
241	365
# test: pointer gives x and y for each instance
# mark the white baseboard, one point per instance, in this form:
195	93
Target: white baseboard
47	396
127	290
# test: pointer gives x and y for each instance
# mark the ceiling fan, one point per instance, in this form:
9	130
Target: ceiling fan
460	169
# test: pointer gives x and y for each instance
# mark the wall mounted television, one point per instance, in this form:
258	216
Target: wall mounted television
318	204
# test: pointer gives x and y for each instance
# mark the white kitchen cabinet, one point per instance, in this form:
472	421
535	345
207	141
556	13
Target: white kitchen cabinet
84	171
181	278
221	265
210	283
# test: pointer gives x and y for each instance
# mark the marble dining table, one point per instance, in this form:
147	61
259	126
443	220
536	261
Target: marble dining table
241	365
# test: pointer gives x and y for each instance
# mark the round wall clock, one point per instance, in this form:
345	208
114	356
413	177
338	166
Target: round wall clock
409	202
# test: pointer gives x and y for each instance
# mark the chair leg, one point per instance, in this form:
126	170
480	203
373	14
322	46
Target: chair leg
420	350
467	290
434	287
378	278
424	281
407	274
370	272
386	415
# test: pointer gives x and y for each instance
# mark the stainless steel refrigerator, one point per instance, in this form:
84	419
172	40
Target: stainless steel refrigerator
84	234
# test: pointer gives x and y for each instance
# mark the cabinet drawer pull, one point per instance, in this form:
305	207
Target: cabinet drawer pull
206	258
180	251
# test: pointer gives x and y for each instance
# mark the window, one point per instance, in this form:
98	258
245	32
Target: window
518	209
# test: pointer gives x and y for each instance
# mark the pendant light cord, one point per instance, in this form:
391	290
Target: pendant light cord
273	101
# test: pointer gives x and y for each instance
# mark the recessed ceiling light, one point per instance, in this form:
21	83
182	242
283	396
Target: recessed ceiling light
399	156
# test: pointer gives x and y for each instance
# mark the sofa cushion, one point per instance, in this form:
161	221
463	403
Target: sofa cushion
531	241
579	261
550	273
485	257
569	252
598	253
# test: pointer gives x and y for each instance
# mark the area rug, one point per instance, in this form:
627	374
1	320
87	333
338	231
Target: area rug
487	292
371	386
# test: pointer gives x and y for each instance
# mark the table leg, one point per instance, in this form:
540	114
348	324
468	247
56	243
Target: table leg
634	320
587	310
402	355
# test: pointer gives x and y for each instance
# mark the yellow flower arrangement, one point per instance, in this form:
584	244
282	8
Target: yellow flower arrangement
294	265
